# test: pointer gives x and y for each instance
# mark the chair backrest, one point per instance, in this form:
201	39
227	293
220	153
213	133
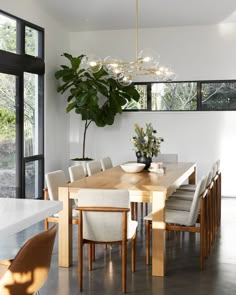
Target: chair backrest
195	206
214	169
76	172
103	226
106	163
29	270
166	158
54	180
217	163
209	178
93	167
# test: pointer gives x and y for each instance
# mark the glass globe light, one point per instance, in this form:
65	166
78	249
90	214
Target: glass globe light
165	74
125	81
113	67
93	63
148	58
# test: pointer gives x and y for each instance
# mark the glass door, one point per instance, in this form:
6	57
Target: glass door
33	134
8	146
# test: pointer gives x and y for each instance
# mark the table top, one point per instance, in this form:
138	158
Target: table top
18	214
143	182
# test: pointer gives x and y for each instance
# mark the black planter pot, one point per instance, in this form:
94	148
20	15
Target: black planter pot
145	160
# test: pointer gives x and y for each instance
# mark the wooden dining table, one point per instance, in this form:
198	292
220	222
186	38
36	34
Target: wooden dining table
143	187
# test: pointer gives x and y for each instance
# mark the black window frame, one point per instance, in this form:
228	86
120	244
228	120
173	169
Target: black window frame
16	64
199	96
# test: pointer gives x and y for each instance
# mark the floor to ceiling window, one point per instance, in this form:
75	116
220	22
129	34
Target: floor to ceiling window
21	108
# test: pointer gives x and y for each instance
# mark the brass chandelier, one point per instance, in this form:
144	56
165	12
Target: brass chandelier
146	63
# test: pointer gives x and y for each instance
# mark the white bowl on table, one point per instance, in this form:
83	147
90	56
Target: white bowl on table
132	167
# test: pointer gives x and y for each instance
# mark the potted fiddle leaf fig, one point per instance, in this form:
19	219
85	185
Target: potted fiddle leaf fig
97	97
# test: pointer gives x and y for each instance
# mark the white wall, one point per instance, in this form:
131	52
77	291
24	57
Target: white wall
56	42
196	53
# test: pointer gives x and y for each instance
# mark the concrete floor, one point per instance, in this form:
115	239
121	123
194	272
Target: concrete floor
182	276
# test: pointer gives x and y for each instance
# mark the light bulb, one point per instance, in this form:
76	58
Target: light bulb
93	63
125	81
148	58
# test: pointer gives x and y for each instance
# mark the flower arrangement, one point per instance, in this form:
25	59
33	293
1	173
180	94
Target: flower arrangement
146	142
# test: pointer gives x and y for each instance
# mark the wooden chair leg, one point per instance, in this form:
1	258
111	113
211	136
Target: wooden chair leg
124	267
146	209
90	256
133	253
124	252
80	252
141	210
135	211
147	231
94	252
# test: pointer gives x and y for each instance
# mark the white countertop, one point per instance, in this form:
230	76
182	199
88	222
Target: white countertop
18	214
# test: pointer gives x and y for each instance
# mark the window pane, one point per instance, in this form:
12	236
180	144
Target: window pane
142	103
31	41
33	185
7	33
7	136
31	126
174	96
219	96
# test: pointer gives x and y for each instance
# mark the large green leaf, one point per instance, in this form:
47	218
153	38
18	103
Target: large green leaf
70	106
96	97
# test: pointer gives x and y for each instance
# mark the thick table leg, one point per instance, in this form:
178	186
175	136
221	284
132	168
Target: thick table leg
65	229
158	233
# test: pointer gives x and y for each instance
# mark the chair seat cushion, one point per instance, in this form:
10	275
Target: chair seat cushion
177	217
173	216
183	195
187	187
178	204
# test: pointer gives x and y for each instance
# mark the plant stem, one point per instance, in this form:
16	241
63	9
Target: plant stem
85	132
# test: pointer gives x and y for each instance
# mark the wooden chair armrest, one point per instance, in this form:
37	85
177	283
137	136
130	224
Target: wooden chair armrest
103	209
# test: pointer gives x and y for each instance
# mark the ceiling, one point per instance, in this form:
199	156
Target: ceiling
86	15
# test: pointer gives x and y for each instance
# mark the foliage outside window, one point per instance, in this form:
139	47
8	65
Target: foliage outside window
219	96
31	41
186	96
141	104
174	96
7	33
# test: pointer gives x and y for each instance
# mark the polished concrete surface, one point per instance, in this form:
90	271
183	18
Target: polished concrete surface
182	265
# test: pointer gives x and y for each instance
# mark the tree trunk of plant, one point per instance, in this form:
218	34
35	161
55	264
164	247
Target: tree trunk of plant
84	139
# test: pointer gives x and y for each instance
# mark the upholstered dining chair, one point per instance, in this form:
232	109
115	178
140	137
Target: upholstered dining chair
166	158
182	199
54	180
106	163
186	191
178	220
93	167
105	219
76	172
28	271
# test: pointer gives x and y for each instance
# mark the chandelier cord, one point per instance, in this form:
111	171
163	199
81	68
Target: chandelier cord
137	29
